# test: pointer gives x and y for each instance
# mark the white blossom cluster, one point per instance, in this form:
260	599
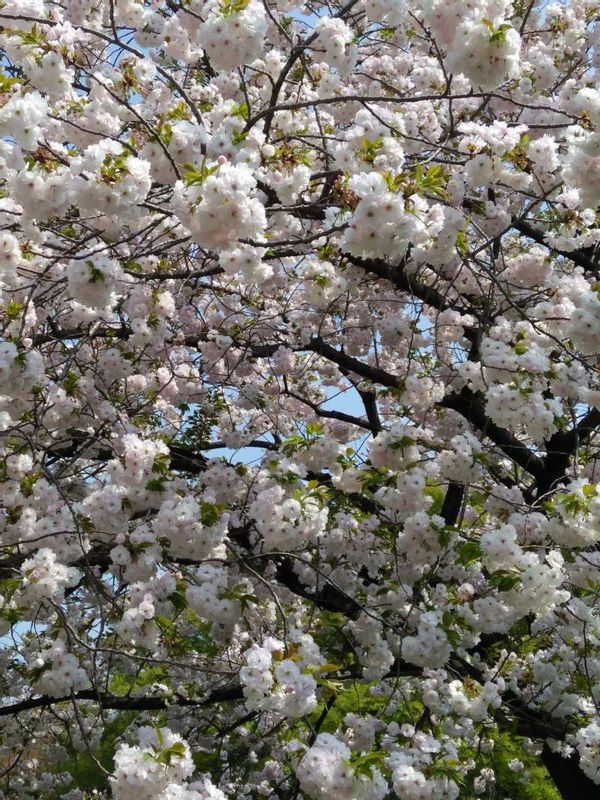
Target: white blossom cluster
59	671
588	739
45	578
232	38
325	772
221	210
273	682
287	521
158	767
299	398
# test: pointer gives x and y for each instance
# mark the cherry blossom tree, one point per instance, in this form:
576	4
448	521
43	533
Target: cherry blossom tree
299	398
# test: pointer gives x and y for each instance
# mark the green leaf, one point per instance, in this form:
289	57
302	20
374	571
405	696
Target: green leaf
210	514
237	137
330	687
467	553
364	764
445	535
241	594
96	275
156	485
498	36
28	482
462	243
161	464
8	587
230	7
369	150
178	601
12	310
503	580
241	110
71	383
434	181
195	176
402	443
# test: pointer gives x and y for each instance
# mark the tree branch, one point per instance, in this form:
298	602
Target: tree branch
110	701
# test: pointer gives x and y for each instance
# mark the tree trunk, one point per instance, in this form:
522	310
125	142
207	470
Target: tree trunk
568	776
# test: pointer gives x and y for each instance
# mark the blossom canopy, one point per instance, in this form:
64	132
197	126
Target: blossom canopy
299	399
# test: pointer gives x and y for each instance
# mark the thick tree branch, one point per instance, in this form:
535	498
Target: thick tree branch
398	276
568	776
561	448
467	403
455	495
470	405
110	701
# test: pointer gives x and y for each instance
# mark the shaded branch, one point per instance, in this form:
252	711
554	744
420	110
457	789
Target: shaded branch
568	776
455	495
470	406
398	276
110	701
562	446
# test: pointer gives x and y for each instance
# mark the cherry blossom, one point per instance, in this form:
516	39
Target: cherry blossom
299	399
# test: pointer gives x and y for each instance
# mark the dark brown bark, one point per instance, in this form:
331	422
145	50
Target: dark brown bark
568	776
